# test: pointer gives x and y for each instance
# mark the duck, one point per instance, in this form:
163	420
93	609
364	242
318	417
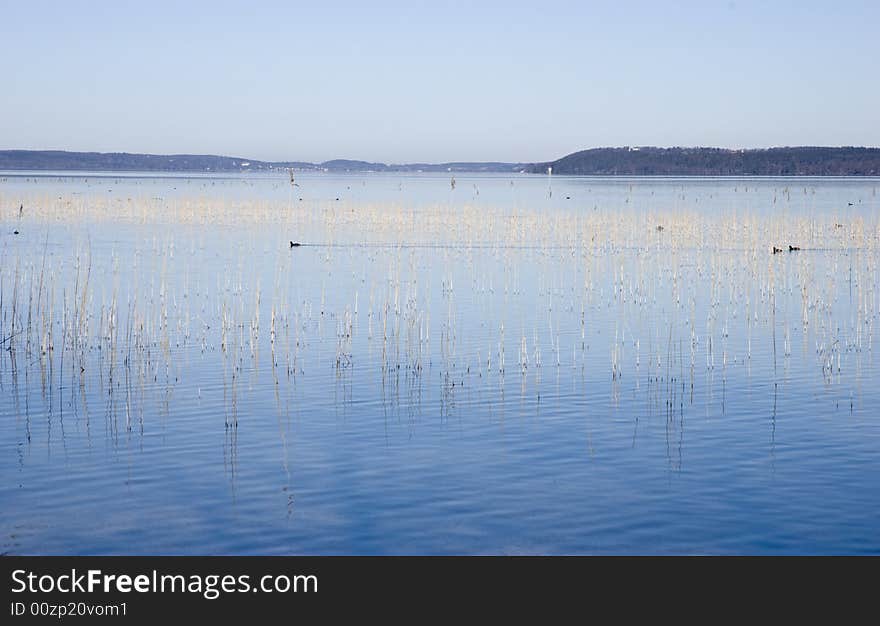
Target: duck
776	250
295	244
792	248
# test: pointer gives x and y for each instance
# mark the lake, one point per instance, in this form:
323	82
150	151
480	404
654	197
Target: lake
446	364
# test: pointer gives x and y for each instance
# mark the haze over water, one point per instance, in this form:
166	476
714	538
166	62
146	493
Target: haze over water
509	364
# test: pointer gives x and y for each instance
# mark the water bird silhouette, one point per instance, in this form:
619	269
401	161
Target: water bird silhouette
777	250
792	248
295	244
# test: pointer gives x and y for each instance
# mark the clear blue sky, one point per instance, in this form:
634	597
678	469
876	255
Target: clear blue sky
436	81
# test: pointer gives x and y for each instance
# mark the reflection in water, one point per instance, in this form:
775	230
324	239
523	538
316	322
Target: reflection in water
591	373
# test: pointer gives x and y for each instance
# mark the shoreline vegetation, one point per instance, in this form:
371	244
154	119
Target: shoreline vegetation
625	161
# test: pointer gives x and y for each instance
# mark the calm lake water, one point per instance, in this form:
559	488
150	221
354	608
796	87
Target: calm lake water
511	364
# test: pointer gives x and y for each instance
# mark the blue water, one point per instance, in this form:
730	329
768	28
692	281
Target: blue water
517	365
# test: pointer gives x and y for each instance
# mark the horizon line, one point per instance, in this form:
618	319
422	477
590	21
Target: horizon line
435	163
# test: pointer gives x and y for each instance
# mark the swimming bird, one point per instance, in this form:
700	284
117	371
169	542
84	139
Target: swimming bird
792	248
776	250
295	244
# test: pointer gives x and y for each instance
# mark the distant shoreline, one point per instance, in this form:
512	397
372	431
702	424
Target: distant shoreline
158	174
623	162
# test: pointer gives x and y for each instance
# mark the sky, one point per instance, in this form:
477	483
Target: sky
435	81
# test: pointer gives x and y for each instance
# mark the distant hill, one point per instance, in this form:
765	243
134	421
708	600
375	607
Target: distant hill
363	166
491	166
118	161
649	161
124	161
349	165
642	161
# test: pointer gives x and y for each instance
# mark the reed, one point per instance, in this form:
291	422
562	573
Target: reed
702	295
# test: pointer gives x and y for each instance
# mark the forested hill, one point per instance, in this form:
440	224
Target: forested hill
125	161
803	161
